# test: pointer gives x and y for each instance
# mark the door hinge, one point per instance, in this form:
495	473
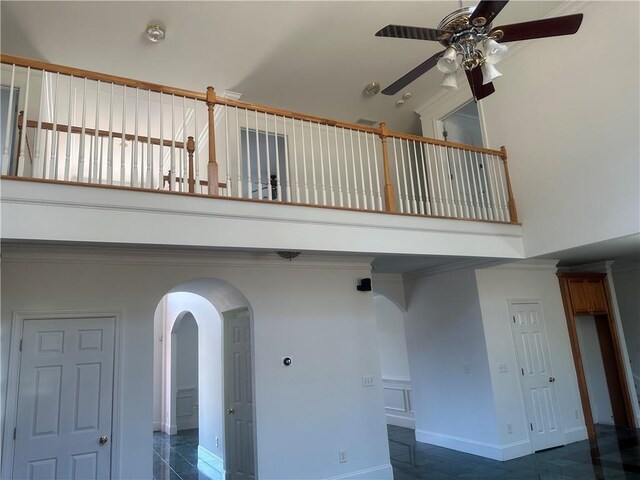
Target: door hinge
20	344
522	370
514	319
531	426
14	433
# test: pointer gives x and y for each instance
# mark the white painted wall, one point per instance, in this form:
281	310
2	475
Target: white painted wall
452	395
392	341
626	279
534	280
332	341
187	353
570	129
594	370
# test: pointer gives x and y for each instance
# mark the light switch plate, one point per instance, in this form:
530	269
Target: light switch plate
367	381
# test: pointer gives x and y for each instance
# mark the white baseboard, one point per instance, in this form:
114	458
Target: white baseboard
157	426
169	429
210	459
188	425
482	449
400	421
576	434
382	472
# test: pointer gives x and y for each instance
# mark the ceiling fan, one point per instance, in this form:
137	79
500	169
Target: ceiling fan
471	43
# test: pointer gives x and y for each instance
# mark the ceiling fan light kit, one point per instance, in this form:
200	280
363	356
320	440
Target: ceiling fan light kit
471	43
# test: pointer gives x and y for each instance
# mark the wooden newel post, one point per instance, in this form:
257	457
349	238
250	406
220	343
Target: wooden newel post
212	165
191	147
513	213
389	195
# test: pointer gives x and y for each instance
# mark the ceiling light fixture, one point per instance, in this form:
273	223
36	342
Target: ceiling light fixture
371	89
407	95
155	33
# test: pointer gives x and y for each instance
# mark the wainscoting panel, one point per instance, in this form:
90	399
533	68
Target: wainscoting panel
397	402
187	408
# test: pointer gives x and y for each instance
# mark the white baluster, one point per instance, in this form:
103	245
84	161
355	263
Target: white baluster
148	182
123	144
196	153
395	161
278	185
161	148
38	160
45	151
346	169
226	143
416	180
372	197
266	145
9	125
295	157
134	158
495	190
471	187
82	133
185	155
456	181
101	158
335	135
110	141
94	177
313	166
304	164
249	182
55	135
466	206
485	189
258	164
503	188
437	164
67	162
364	192
172	154
238	155
353	165
322	179
425	175
380	187
411	207
331	190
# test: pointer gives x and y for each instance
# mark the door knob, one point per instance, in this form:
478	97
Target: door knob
230	411
103	439
552	379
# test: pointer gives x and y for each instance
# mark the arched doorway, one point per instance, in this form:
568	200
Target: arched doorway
224	388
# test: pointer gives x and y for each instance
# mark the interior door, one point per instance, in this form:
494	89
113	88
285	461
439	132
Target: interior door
538	380
65	399
239	441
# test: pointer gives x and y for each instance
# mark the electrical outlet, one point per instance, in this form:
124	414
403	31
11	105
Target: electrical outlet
342	456
216	441
367	381
502	368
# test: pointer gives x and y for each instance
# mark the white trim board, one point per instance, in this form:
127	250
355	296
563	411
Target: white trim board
482	449
374	473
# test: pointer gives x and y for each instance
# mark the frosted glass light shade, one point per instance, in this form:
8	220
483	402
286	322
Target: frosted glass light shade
449	81
448	63
493	51
489	73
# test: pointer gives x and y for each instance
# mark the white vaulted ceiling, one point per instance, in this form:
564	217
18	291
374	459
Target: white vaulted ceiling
310	57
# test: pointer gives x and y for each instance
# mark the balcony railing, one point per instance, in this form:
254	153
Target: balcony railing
68	125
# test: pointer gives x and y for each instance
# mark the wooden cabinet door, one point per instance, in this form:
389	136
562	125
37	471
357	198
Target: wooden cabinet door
598	296
580	296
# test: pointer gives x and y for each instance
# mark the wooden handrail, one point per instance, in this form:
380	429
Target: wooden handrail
443	143
103	77
91	131
297	116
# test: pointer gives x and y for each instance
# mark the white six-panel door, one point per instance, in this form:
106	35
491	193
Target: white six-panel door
538	380
65	399
239	451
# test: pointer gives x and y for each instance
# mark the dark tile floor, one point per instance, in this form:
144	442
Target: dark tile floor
615	455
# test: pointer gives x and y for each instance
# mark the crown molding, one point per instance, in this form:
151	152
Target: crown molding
597	267
101	255
529	264
467	264
625	265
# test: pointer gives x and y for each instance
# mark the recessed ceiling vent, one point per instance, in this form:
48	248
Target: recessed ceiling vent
368	123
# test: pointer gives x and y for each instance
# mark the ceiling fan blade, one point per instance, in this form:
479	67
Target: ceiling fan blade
548	27
414	33
488	10
479	90
421	69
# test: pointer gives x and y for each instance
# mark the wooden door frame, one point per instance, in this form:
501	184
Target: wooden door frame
564	278
13	378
